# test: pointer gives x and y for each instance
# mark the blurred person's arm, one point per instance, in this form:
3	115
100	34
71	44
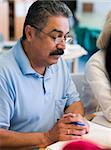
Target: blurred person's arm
97	79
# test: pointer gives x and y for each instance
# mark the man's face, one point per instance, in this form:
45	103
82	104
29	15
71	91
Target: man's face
44	47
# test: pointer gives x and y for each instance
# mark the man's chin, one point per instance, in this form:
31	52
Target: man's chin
54	59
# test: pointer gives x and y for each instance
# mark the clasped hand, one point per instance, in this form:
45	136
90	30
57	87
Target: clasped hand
64	130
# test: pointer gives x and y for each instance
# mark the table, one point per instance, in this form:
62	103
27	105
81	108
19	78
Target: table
97	133
100	119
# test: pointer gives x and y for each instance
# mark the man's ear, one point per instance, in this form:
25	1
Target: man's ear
28	32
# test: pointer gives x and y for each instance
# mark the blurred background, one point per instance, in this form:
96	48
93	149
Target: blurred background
87	22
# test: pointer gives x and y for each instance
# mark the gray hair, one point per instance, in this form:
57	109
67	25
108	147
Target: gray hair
105	34
39	12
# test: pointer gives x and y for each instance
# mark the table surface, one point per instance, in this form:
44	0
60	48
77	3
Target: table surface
73	51
98	134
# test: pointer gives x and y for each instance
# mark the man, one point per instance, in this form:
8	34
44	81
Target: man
35	86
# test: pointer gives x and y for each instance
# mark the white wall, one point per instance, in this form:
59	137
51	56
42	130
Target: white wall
95	19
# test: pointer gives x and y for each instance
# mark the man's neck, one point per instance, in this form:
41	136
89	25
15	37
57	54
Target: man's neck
36	66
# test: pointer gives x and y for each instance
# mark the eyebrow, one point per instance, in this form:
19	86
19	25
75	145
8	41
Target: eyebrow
59	31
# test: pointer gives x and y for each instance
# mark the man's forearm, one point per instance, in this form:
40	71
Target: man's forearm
76	108
16	140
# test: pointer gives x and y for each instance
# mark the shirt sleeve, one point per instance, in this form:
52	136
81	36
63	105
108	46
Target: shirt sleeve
98	81
6	104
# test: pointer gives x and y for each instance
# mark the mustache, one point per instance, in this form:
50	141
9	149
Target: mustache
59	51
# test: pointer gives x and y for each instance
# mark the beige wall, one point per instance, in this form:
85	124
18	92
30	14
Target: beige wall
18	27
21	7
4	20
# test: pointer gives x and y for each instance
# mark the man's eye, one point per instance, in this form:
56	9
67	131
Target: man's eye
53	37
56	36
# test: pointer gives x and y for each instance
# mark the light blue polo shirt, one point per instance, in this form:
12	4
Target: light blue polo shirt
30	102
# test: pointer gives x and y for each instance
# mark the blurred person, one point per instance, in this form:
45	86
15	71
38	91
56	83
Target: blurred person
98	71
72	4
83	145
35	85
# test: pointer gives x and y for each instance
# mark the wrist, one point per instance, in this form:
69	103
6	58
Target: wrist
47	139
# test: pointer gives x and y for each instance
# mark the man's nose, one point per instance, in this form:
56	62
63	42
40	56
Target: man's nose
62	44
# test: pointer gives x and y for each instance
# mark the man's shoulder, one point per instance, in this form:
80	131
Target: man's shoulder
7	61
